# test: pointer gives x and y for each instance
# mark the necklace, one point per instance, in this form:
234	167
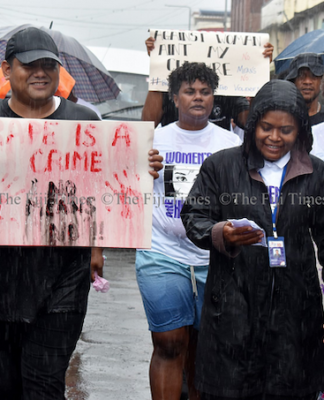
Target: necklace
318	107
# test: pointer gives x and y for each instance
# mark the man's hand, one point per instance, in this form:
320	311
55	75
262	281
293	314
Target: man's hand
268	50
149	45
155	161
241	236
97	262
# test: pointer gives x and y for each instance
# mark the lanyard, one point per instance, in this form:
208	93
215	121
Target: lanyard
275	210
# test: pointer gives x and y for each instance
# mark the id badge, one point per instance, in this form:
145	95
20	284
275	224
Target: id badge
277	253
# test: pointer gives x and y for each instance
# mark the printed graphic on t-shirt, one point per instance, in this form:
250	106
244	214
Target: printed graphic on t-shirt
178	180
178	157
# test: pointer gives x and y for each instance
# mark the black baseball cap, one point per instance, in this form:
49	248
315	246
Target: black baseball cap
31	44
312	61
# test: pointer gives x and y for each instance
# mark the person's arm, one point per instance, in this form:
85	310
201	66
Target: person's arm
155	162
317	219
202	210
202	216
97	262
317	229
243	236
149	43
153	108
268	51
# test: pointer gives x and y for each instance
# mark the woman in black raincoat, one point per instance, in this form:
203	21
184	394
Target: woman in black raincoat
261	330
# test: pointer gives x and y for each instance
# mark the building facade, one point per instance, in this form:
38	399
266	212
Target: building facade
246	15
209	20
287	20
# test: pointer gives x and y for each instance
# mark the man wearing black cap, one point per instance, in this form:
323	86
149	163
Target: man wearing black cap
43	296
44	290
306	71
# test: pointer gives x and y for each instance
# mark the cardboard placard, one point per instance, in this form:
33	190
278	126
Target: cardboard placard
236	57
69	183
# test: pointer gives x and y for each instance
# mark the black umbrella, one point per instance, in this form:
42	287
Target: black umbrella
93	82
311	42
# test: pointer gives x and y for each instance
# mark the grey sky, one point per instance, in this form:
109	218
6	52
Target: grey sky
118	23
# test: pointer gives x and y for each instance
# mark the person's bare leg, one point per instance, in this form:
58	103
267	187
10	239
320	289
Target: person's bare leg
167	363
190	363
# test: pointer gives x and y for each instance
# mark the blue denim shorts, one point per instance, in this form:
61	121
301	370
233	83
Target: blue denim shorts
167	291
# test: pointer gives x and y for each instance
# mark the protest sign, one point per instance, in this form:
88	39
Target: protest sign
69	183
236	58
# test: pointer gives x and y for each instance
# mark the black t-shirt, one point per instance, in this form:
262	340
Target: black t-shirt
225	108
44	279
228	107
317	118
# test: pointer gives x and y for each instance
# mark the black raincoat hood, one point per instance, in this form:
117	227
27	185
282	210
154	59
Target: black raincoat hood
277	95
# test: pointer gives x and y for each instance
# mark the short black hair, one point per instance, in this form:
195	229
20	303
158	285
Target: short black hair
189	72
10	60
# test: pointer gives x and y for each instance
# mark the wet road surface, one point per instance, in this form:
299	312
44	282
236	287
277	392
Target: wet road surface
111	360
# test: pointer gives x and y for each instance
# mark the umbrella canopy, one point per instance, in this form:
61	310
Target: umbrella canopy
93	82
66	84
311	42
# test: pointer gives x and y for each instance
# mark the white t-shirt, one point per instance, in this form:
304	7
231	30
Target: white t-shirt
238	131
183	152
318	144
57	102
272	174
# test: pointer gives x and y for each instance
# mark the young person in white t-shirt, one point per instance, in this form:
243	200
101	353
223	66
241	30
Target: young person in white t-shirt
172	275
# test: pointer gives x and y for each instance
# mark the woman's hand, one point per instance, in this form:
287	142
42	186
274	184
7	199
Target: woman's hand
268	50
97	262
149	45
242	236
155	161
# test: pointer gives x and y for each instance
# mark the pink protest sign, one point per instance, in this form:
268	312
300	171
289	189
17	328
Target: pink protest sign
68	183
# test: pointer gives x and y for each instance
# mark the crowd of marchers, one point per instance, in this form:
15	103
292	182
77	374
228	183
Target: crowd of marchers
235	307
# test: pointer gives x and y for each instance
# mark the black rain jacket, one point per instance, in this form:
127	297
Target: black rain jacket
261	328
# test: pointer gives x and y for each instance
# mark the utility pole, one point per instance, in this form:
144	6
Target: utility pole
225	16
